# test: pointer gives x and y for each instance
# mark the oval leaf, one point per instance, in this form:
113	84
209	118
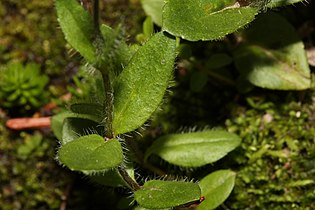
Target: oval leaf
194	149
216	187
139	89
274	56
91	154
204	20
158	194
77	27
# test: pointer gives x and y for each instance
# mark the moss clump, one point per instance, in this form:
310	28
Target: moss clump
275	163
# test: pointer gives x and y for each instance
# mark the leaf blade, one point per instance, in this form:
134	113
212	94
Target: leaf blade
91	154
139	89
216	187
197	20
157	194
273	56
194	149
77	27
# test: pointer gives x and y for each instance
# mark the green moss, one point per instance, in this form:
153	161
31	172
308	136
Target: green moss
275	163
30	177
29	32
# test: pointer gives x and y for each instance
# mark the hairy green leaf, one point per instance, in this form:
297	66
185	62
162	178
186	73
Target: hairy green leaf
109	53
139	89
77	27
204	20
158	194
153	8
273	55
74	127
216	187
91	153
194	149
112	177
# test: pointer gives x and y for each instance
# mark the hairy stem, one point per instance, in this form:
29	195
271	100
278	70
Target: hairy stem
109	106
133	185
107	81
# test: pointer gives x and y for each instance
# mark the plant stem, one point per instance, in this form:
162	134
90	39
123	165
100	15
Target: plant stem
96	15
134	186
107	81
109	106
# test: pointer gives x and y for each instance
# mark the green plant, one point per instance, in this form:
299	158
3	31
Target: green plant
275	164
268	54
22	86
130	85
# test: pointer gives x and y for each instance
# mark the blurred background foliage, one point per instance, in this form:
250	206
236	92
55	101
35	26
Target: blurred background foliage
275	163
